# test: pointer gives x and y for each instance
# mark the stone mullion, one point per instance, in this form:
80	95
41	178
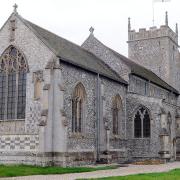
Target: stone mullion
78	113
16	101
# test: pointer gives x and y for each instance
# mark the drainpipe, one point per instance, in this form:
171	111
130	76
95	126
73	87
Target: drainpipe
98	119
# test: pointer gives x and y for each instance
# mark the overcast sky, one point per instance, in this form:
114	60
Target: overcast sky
71	19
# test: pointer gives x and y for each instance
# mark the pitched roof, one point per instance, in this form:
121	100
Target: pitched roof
145	73
72	53
138	69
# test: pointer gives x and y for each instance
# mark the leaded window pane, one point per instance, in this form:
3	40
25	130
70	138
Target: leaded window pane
115	121
137	125
80	115
142	126
11	99
21	95
77	108
2	95
146	125
73	114
13	69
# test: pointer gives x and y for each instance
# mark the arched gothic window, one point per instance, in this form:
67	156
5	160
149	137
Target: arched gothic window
78	103
169	123
142	123
13	69
117	113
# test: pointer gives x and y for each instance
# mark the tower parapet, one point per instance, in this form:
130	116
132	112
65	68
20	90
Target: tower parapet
157	50
153	32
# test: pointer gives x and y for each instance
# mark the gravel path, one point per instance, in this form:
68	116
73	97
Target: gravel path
122	171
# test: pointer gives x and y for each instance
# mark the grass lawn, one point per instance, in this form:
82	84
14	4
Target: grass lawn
171	175
24	170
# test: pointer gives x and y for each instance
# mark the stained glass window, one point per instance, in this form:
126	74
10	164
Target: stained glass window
21	95
137	125
78	102
142	126
2	94
13	69
11	98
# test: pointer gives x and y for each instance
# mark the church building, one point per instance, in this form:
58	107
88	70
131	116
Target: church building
69	105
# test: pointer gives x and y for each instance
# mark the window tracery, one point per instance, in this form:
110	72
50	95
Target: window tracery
169	124
78	102
142	123
13	70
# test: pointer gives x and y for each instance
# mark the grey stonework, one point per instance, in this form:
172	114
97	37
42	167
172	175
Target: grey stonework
71	77
143	147
37	56
45	136
141	92
93	45
86	141
157	50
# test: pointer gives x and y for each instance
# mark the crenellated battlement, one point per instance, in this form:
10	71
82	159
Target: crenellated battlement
153	32
156	49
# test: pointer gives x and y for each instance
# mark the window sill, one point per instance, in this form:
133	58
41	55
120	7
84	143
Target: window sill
37	99
77	135
81	136
115	136
142	138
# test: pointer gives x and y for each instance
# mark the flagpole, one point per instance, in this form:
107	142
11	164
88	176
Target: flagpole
153	7
153	11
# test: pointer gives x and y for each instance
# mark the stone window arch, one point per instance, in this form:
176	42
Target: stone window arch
142	126
13	71
116	113
78	108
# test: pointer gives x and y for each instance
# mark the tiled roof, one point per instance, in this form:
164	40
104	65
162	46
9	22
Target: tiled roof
72	53
138	69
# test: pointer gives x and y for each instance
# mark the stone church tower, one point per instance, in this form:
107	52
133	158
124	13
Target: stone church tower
157	50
